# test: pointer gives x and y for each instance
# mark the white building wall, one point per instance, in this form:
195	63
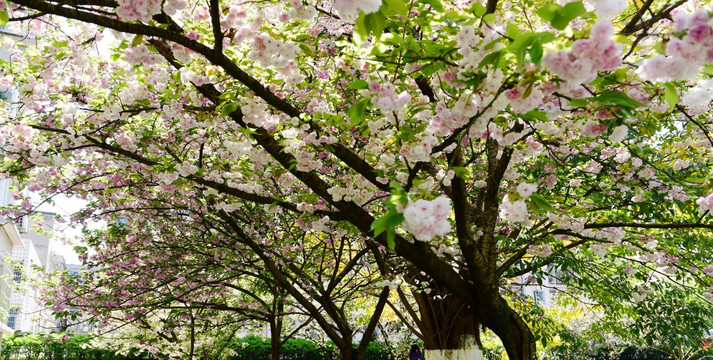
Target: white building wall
9	237
16	253
24	298
544	295
37	256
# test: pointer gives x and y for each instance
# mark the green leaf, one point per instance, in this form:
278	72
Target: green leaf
559	22
376	22
528	91
394	220
390	39
536	52
137	40
560	16
390	243
574	9
545	37
4	18
670	95
537	114
306	49
520	45
397	6
361	30
358	84
461	172
388	223
578	103
379	225
540	202
478	9
618	98
548	11
530	42
489	18
228	108
512	30
226	95
492	58
356	112
435	4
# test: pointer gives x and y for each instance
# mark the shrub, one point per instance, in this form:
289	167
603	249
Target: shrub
55	347
258	348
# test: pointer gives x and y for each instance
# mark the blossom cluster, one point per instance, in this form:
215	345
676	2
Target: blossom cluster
269	51
349	9
448	119
684	55
141	54
514	210
705	204
587	57
386	98
698	97
607	9
542	251
141	10
419	149
425	219
520	102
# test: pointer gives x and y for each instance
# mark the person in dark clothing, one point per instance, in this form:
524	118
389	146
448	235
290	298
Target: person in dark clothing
415	353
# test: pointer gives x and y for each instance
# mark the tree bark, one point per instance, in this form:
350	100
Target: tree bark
515	334
468	350
276	331
449	327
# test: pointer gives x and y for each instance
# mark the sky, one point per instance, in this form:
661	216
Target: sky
65	206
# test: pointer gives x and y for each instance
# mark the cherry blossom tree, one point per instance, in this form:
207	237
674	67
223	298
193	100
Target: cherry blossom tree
153	276
448	146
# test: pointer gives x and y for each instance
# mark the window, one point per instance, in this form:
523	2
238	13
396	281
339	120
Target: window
22	224
12	315
17	273
539	297
553	295
555	276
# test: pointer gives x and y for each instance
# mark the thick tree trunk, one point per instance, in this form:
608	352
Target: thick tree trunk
276	331
514	333
449	327
348	354
468	350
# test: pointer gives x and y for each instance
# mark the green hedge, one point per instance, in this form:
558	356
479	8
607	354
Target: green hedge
622	352
55	347
258	348
61	347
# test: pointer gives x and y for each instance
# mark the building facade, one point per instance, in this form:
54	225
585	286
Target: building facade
34	258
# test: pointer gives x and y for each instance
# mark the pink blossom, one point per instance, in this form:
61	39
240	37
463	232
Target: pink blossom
686	55
607	9
425	219
514	211
349	9
386	98
21	129
521	104
542	251
525	189
622	155
140	10
587	57
593	129
705	204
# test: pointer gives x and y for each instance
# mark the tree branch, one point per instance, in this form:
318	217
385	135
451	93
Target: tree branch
215	22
